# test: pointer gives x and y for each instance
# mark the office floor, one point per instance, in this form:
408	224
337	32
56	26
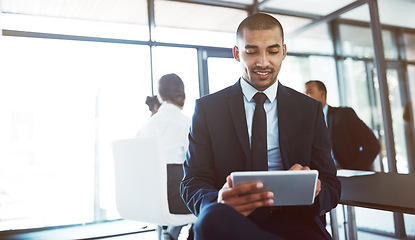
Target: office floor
115	230
183	236
153	236
366	217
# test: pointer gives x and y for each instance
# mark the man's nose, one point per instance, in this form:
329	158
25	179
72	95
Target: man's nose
262	60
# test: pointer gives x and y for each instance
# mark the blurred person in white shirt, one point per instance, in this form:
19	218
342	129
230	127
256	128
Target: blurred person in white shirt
171	127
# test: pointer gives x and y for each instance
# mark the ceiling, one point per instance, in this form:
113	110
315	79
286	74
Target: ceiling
392	12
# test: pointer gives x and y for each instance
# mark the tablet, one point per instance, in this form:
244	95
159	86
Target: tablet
296	187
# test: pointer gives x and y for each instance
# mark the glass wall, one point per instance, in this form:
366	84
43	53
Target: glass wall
183	62
296	71
356	41
397	120
357	90
316	40
409	39
362	93
411	80
223	72
79	18
62	104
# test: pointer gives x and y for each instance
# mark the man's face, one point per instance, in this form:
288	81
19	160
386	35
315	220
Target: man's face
312	91
260	53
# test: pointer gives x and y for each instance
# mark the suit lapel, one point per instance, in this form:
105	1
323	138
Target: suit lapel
285	110
237	109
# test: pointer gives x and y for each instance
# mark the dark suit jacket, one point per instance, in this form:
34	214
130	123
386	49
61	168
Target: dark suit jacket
219	145
354	144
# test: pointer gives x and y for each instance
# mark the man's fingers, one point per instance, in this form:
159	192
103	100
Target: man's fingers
245	188
229	181
246	209
249	202
227	193
318	188
299	167
248	199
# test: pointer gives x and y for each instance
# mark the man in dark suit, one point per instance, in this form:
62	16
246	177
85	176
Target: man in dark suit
354	144
221	137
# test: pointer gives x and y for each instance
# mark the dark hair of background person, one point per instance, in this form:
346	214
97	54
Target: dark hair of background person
171	88
152	101
320	85
259	21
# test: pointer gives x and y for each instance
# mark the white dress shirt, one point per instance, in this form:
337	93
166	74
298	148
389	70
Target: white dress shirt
172	128
270	106
325	110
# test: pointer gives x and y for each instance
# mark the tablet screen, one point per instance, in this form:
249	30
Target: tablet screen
296	187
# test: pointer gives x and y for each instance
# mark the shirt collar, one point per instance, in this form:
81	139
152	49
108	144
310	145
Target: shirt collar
168	106
249	91
325	109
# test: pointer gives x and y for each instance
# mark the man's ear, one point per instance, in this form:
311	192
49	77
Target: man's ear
235	52
284	51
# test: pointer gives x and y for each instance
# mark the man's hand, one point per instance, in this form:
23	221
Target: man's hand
242	198
299	167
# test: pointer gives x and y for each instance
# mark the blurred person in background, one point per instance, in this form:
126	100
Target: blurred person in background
354	146
171	127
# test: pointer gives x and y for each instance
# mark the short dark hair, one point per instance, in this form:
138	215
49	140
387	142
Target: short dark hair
171	88
259	21
152	101
320	85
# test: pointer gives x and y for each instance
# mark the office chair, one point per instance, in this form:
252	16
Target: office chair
141	183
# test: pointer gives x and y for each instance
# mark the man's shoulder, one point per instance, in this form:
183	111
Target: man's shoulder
343	110
343	113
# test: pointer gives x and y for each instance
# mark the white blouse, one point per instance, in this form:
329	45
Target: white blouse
172	128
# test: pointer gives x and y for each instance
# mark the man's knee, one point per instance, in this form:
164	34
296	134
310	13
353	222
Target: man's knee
214	218
213	213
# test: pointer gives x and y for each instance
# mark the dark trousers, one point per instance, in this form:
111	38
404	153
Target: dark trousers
220	221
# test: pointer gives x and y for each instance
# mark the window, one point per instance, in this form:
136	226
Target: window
62	103
296	71
409	39
314	40
123	19
357	42
357	90
411	80
183	62
223	72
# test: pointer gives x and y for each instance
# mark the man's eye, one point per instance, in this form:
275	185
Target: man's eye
250	52
273	52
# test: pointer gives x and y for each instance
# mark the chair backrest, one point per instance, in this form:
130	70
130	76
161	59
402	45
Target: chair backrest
141	183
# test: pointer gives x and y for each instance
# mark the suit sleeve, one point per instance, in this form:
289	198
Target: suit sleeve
197	187
366	142
321	160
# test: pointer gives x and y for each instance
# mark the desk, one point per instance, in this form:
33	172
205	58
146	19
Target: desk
384	191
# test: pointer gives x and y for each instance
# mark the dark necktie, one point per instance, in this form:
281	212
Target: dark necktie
259	151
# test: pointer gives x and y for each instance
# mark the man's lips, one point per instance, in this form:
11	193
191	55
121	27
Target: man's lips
263	73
